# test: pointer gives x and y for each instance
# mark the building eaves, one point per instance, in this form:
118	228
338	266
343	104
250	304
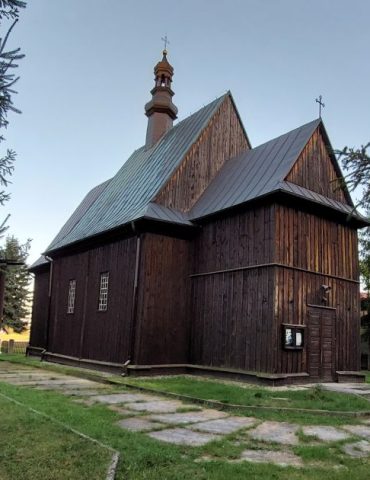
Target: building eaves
129	192
254	173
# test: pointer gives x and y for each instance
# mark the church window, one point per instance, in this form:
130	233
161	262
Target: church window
71	296
293	337
103	293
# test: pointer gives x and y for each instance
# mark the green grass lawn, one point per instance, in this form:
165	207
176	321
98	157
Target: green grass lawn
315	398
33	448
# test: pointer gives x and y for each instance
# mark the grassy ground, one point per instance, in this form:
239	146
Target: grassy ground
42	451
31	447
315	398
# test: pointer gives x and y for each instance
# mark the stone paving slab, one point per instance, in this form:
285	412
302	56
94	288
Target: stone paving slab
277	432
138	424
284	459
121	410
353	388
79	392
360	430
51	382
62	387
26	375
325	433
224	426
189	417
160	406
183	436
358	450
114	398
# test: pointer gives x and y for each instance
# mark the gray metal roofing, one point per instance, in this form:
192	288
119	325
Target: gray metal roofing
315	197
80	211
254	173
128	193
40	261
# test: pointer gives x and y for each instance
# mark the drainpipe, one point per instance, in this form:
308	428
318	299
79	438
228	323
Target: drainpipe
49	304
135	292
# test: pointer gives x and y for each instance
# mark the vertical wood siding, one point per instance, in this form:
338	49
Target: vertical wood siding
315	170
88	333
222	139
232	320
107	334
239	240
40	307
163	318
309	242
294	291
232	312
65	329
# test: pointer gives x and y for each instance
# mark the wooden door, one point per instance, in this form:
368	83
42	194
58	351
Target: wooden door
321	343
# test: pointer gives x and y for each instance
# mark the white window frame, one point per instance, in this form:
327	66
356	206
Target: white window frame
103	292
71	296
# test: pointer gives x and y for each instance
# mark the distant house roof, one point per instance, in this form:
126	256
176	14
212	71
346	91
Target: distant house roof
128	195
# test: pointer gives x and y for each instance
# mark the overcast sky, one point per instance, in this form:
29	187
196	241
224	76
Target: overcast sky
89	69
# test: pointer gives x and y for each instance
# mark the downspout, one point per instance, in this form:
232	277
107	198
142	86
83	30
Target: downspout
49	305
135	294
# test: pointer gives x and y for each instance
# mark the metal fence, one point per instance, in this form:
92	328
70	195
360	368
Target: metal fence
10	346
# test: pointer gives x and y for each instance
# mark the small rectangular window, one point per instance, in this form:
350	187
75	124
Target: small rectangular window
103	293
71	296
293	337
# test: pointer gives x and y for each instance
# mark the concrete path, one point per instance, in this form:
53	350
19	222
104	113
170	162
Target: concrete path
179	423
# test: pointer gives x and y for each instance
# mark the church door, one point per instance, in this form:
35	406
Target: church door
321	343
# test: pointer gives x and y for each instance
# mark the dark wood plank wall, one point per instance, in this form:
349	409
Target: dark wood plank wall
305	241
107	335
294	291
104	335
65	329
314	170
232	310
163	318
232	320
223	139
238	240
40	307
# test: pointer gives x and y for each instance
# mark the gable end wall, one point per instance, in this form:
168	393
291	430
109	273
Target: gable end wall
222	139
314	170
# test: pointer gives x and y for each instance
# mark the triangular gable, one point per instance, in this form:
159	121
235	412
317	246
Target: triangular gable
317	169
139	180
253	174
223	138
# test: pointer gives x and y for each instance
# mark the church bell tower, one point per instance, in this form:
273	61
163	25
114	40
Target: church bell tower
160	110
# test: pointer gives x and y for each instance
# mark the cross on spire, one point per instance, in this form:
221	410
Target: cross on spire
166	41
321	104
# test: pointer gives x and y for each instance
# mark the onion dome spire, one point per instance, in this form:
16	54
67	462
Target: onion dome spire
160	110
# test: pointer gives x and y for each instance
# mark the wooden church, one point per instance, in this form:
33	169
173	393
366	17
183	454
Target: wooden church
203	254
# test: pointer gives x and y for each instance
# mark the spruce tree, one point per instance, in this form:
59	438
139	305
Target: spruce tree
17	281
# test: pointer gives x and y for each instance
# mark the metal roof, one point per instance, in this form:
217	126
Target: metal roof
40	261
127	195
298	191
254	173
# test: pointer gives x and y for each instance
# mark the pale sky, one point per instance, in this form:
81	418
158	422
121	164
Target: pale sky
89	69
